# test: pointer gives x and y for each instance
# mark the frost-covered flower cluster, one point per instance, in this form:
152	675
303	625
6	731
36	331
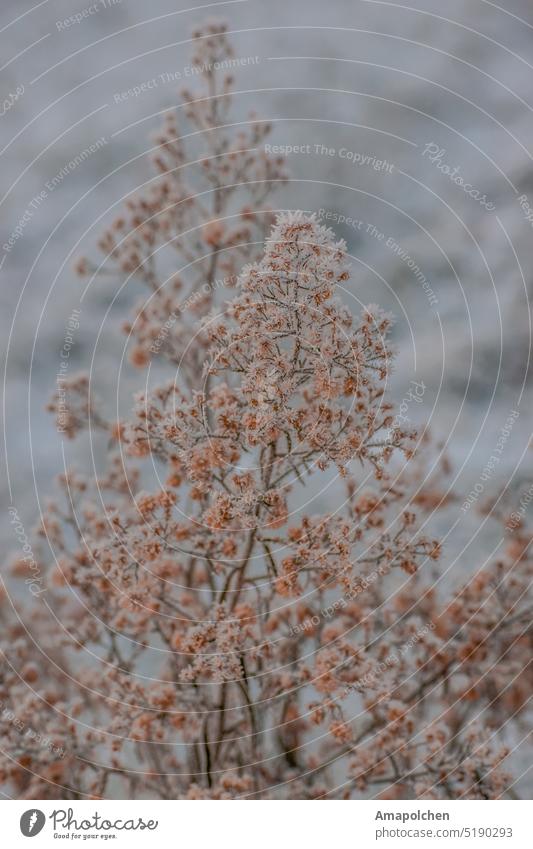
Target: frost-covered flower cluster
217	635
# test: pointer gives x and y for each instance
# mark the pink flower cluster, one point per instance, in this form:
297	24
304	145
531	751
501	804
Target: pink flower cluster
211	636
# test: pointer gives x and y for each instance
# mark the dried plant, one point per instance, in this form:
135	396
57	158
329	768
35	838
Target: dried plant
211	636
205	212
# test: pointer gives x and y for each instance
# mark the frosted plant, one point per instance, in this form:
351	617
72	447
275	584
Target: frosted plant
204	213
220	634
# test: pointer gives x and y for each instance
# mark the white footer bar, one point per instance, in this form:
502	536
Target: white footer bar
268	825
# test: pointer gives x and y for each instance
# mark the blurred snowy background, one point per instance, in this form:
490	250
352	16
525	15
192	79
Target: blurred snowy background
432	93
